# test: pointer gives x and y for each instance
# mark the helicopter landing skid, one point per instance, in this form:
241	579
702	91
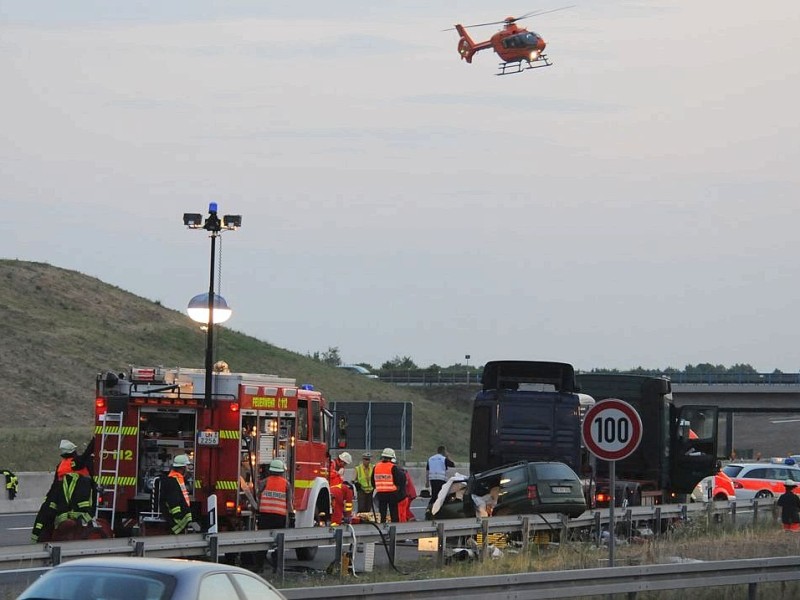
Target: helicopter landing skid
509	68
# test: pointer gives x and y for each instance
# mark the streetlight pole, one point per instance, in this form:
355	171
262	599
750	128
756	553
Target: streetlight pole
214	226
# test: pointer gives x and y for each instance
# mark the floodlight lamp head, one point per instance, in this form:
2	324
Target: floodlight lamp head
193	220
232	221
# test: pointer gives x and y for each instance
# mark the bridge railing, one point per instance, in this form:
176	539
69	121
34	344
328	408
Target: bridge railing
424	377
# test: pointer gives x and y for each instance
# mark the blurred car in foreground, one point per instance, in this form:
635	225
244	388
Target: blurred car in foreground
121	578
515	489
760	480
358	370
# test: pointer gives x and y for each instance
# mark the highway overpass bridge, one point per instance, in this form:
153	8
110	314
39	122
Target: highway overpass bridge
740	398
745	399
742	392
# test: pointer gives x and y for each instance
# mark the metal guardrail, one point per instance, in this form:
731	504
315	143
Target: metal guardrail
214	546
572	584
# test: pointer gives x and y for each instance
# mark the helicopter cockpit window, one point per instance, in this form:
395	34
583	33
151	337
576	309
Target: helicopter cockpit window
522	40
530	39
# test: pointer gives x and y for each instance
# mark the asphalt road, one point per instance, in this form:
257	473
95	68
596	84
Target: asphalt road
15	529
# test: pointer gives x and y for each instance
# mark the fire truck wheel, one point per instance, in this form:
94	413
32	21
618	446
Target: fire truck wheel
306	553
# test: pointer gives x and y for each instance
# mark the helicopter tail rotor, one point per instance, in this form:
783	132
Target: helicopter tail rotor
466	47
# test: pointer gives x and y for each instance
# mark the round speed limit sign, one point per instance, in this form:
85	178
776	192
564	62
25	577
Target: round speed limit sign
612	429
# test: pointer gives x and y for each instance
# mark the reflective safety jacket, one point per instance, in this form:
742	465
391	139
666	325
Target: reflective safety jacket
364	477
70	498
384	478
174	501
12	483
276	497
69	465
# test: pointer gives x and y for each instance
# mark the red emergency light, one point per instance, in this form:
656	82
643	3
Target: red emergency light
234	407
100	405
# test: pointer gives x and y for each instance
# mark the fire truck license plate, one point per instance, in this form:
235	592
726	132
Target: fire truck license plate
561	490
208	438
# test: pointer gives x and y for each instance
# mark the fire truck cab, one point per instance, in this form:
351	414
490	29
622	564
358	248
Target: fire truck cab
148	415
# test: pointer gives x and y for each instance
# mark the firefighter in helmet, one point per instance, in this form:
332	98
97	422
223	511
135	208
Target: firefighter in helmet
341	493
276	507
73	493
390	483
174	499
72	462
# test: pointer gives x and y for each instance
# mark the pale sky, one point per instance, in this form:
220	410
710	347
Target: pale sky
631	205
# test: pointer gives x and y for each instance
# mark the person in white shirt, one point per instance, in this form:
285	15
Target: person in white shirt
436	472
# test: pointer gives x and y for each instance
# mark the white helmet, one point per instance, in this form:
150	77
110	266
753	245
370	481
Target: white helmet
346	458
388	453
67	447
276	466
181	460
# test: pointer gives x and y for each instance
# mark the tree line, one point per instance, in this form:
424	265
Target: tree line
332	357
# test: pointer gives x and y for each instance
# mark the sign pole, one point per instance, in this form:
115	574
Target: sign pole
611	430
612	476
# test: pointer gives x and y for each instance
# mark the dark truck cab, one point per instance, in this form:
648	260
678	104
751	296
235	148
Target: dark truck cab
526	411
678	447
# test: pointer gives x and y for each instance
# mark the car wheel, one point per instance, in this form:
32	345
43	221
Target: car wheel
763	494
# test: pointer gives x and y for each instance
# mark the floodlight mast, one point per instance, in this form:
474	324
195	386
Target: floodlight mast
214	226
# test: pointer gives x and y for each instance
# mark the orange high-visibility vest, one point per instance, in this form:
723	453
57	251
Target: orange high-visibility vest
67	466
273	498
384	482
182	483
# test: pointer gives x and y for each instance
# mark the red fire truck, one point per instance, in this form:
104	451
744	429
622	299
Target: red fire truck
148	415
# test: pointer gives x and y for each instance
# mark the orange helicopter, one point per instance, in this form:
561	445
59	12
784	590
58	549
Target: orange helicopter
519	48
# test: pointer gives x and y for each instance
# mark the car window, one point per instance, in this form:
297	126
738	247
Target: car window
545	471
779	473
253	588
216	587
755	474
732	470
514	477
80	584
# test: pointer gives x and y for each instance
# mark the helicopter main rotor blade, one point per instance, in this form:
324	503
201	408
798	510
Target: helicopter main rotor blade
533	13
476	25
543	12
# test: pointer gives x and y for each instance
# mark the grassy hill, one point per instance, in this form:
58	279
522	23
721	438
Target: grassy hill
60	328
